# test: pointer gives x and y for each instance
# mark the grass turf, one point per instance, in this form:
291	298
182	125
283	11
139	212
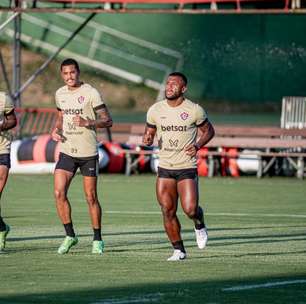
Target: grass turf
256	229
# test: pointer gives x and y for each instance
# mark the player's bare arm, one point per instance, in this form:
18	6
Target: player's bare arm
103	119
57	132
8	122
148	136
207	133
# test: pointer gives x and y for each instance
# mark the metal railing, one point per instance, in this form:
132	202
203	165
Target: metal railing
154	61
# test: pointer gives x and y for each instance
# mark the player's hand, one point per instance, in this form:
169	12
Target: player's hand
191	150
148	139
57	135
79	121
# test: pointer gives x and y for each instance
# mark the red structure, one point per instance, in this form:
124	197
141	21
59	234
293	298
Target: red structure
159	6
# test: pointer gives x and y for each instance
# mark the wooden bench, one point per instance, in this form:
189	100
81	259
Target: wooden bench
266	142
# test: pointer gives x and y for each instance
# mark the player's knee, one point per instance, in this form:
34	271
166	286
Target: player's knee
191	212
91	199
59	195
168	213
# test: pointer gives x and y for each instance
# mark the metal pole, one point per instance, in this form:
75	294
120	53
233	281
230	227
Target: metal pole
17	57
2	26
45	64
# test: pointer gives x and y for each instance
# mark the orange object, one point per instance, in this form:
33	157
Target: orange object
202	162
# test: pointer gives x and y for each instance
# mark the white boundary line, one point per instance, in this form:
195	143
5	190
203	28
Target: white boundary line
180	213
140	299
257	214
214	214
265	285
206	213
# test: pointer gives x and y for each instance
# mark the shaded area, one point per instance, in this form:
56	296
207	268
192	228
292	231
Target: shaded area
204	291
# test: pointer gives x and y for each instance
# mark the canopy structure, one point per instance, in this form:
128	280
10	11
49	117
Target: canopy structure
158	6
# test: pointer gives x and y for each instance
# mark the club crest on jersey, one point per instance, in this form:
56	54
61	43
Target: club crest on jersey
81	99
184	115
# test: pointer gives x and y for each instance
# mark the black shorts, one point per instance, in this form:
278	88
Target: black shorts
88	165
5	160
178	174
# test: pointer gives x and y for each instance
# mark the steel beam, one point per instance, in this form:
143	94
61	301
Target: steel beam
45	64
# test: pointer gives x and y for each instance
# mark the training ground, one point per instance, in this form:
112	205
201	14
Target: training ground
256	251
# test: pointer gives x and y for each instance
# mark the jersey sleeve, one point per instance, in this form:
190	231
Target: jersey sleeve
96	99
57	101
200	116
150	118
8	106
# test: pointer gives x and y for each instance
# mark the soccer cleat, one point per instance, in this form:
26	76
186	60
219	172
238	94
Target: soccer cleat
202	237
67	244
3	235
178	255
97	247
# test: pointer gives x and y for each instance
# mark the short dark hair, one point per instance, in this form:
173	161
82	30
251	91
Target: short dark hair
70	61
179	74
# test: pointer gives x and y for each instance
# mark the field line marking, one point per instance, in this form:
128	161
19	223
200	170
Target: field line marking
213	214
141	299
258	214
265	285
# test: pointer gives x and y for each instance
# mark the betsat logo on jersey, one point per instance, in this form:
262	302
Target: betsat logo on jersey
174	128
72	111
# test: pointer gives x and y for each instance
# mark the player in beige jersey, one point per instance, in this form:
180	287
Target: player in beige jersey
176	121
7	121
80	112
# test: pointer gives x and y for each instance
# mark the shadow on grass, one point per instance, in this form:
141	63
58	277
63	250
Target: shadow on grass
291	290
213	241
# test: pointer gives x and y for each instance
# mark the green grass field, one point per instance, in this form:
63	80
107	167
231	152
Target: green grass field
257	235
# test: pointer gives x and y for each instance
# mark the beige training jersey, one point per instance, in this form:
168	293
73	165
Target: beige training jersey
78	141
176	127
6	107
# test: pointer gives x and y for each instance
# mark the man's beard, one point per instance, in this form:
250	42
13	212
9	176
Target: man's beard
173	97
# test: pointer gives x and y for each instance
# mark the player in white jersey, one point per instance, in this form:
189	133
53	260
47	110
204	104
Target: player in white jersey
80	112
175	122
7	121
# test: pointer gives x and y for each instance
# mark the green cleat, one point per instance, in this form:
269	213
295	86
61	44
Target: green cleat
67	244
97	247
3	235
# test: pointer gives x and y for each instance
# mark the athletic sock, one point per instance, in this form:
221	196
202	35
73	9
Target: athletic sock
97	234
179	245
199	226
2	224
69	229
199	223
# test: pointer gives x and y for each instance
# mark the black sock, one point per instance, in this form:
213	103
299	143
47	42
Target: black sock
69	229
2	224
179	245
97	234
199	224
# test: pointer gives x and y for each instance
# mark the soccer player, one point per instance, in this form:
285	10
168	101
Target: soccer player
80	112
7	121
175	121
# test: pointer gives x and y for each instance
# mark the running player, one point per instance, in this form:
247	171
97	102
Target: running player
175	121
7	121
80	112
